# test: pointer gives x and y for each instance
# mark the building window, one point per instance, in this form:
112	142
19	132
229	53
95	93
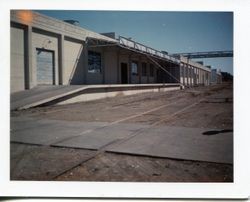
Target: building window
151	70
144	69
94	62
134	68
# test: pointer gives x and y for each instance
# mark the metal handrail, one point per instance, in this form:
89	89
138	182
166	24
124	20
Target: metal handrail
141	47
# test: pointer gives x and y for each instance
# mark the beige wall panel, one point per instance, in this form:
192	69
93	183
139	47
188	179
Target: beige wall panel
17	60
73	62
110	67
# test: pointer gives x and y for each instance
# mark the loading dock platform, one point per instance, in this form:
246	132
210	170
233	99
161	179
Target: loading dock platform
48	95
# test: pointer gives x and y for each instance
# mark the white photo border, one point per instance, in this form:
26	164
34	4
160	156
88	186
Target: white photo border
238	189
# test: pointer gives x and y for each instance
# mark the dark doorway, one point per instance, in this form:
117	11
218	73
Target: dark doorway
124	73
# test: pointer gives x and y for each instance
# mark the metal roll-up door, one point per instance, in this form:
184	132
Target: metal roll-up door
45	67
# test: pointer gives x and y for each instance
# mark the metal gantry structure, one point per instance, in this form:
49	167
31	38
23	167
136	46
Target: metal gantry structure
208	54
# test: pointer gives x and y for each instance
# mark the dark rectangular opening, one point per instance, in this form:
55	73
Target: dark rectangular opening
124	73
144	69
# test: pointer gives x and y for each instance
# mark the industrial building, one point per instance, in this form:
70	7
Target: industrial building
216	76
47	51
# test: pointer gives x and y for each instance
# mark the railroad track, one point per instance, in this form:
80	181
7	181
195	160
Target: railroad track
132	135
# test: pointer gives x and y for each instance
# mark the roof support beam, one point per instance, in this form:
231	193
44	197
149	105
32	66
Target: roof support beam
155	62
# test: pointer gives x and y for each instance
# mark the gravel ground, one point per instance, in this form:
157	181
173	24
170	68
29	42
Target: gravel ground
212	107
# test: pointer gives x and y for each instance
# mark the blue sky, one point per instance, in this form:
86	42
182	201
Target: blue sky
173	32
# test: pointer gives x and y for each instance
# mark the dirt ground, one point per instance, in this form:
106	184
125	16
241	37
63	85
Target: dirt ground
201	107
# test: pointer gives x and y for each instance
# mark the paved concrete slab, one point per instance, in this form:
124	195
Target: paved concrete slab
102	137
22	123
90	135
46	132
18	123
161	141
30	162
180	143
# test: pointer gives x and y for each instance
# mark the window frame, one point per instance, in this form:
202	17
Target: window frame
95	54
134	68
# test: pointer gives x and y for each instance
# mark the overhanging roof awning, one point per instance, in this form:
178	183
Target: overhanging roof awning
95	42
131	45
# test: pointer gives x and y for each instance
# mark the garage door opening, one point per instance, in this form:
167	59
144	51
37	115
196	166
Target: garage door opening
45	71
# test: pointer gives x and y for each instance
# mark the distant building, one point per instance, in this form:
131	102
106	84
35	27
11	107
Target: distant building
216	77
